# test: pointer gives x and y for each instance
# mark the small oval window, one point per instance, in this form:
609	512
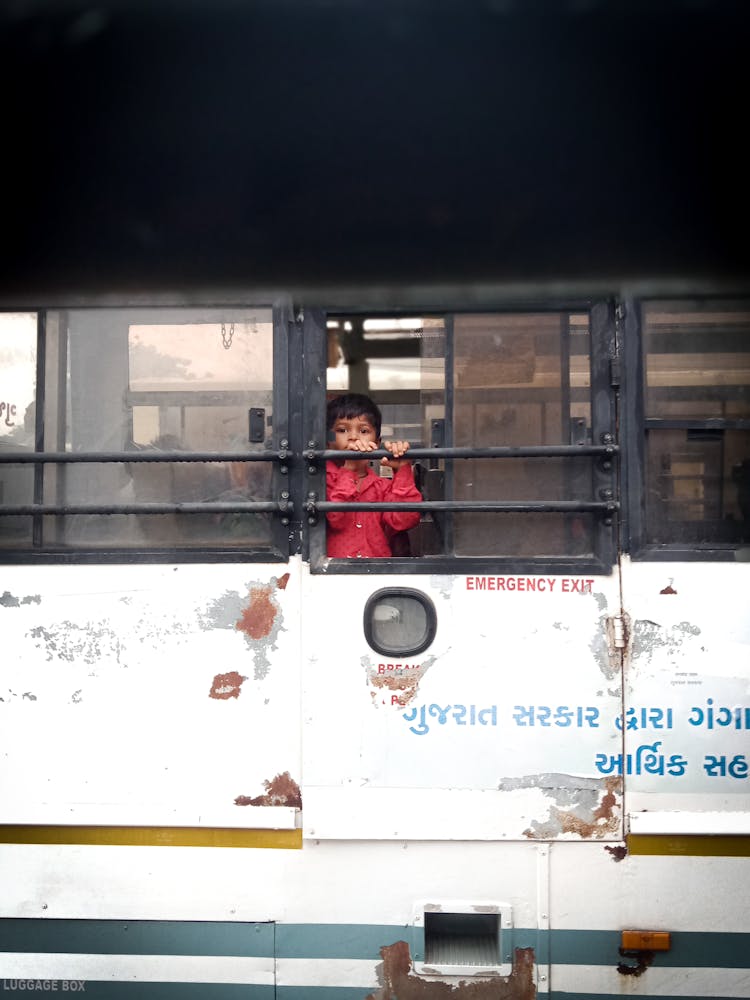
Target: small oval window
399	621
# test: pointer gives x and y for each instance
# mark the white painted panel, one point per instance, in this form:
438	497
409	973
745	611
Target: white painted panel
687	691
514	701
143	968
147	694
662	982
691	823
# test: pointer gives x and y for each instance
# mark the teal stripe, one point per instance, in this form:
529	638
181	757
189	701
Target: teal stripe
338	940
137	937
690	949
105	990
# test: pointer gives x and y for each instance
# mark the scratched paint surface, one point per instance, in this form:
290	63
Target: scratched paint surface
158	685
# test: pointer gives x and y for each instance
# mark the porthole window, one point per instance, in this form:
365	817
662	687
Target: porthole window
399	621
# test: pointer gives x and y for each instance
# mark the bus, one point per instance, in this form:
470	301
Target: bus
509	760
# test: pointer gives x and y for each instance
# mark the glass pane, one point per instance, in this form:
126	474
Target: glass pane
697	361
17	419
698	486
162	380
522	379
399	624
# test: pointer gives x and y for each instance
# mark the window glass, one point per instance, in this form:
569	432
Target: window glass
17	419
149	381
697	404
474	381
522	379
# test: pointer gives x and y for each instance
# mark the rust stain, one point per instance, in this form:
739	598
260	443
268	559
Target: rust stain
604	819
282	790
282	581
398	982
669	589
642	961
226	685
406	685
259	616
619	852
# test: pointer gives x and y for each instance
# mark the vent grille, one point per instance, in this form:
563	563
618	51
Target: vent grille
462	939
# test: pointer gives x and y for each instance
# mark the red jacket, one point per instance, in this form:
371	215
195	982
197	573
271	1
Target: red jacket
366	533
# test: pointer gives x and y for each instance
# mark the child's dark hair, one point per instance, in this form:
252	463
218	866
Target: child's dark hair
350	405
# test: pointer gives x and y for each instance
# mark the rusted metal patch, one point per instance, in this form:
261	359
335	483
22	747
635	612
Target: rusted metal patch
398	983
395	683
258	617
669	589
584	807
618	851
282	790
227	685
643	959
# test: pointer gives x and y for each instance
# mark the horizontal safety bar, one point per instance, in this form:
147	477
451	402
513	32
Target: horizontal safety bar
478	506
530	451
94	457
251	507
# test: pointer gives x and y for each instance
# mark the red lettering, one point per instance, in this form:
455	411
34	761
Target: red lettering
492	583
381	668
469	582
522	584
565	586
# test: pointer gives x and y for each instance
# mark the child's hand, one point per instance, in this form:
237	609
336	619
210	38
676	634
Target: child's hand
397	449
359	445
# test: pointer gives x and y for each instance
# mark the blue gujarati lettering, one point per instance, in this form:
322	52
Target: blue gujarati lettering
645	718
711	716
645	760
562	716
461	715
721	766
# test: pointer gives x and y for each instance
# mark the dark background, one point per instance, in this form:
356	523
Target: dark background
187	146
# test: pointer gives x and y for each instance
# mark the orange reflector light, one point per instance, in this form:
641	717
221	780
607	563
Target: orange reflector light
646	941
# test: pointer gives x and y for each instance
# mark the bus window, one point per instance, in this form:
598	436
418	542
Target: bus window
467	382
697	423
134	385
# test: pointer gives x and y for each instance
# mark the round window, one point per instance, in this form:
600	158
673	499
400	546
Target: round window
399	621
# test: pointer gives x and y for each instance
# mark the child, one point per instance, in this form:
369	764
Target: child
353	423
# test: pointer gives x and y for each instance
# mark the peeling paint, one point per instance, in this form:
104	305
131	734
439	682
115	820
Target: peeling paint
70	642
282	790
398	983
648	637
227	685
8	600
403	680
259	619
444	585
588	815
603	650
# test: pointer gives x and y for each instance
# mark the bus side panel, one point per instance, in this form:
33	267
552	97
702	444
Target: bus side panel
154	696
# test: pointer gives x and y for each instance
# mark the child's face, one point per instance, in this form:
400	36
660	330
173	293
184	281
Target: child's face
353	434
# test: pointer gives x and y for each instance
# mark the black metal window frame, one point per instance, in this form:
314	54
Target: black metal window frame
281	455
604	454
634	428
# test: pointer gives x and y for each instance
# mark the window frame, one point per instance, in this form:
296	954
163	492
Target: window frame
634	434
604	408
280	548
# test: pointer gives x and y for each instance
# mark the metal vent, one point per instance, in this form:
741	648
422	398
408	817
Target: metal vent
462	939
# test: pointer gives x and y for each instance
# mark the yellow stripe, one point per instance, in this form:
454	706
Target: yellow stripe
690	846
152	836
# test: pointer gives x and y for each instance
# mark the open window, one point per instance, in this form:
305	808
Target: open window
141	429
511	420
